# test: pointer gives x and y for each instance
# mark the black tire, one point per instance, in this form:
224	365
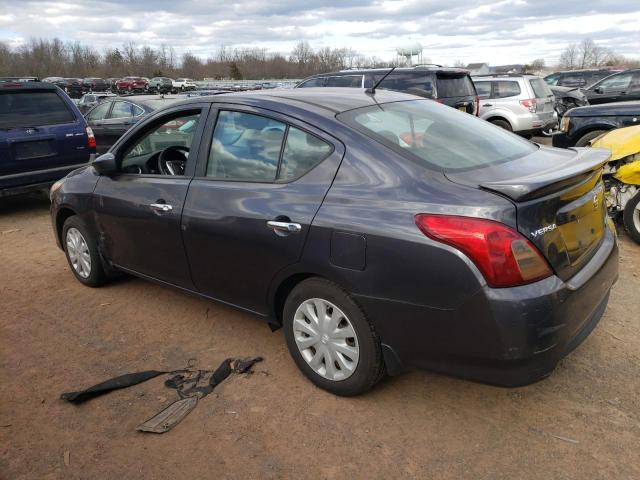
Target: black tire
97	275
502	124
631	224
585	140
370	367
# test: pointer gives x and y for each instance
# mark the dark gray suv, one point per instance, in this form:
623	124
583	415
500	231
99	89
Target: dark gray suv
382	231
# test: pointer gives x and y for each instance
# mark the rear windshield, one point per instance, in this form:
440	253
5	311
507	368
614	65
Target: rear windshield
540	88
417	83
455	86
33	109
437	136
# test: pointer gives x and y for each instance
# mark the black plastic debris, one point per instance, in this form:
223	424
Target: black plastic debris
190	384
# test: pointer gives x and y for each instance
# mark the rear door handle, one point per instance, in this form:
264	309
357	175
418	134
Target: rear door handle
287	227
163	207
488	105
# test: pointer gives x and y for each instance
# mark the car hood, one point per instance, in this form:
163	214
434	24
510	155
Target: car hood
607	109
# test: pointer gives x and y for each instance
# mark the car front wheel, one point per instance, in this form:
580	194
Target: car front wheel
82	254
330	338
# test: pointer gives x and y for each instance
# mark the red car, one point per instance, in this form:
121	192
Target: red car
131	84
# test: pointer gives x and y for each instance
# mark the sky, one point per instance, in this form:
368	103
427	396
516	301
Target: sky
497	32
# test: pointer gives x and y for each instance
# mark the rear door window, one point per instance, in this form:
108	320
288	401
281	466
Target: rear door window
455	86
33	109
504	89
245	147
417	83
483	89
302	152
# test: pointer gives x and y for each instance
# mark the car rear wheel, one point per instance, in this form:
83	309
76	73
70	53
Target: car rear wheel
631	217
82	254
330	338
585	140
502	124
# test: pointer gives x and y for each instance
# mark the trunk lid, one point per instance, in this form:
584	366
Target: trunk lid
559	200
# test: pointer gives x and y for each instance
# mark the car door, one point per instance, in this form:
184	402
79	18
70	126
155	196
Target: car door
138	210
260	181
95	119
611	89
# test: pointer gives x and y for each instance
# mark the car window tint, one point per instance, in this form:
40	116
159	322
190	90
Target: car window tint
483	89
302	152
552	79
313	82
156	139
634	86
436	136
99	112
33	109
354	81
540	88
617	82
121	110
504	89
571	80
245	147
454	86
417	83
137	111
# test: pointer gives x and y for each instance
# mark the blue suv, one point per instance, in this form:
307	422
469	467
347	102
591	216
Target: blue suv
43	136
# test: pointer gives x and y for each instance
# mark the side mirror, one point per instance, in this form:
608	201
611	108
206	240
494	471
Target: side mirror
105	164
598	90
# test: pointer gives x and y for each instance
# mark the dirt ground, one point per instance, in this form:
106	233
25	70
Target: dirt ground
56	336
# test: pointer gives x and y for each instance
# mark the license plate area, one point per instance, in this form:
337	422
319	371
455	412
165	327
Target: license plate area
32	149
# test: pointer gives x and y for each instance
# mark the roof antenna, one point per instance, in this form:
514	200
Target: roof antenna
372	90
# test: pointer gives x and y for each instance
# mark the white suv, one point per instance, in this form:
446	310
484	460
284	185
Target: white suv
184	84
523	104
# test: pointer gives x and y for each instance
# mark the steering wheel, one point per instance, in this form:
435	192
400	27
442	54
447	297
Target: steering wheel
173	159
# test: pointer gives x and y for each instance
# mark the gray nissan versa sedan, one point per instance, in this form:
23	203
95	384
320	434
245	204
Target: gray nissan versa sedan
382	231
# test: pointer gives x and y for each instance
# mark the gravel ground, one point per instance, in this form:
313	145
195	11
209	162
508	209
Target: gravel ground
56	335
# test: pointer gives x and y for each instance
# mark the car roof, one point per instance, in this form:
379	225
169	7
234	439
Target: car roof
326	101
419	68
24	86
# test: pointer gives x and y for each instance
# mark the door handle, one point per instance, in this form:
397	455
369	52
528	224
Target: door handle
287	227
163	207
488	105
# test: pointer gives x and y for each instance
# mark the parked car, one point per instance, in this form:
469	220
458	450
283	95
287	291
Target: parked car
183	84
43	136
577	78
89	100
619	87
131	85
161	85
382	231
94	84
519	103
19	79
111	118
580	126
567	98
111	82
72	86
451	86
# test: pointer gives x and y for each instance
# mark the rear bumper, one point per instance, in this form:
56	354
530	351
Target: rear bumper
507	337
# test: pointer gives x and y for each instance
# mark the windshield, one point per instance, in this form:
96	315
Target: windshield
540	88
437	136
455	86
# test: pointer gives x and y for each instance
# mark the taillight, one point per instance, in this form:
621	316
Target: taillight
91	138
530	103
477	106
505	257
